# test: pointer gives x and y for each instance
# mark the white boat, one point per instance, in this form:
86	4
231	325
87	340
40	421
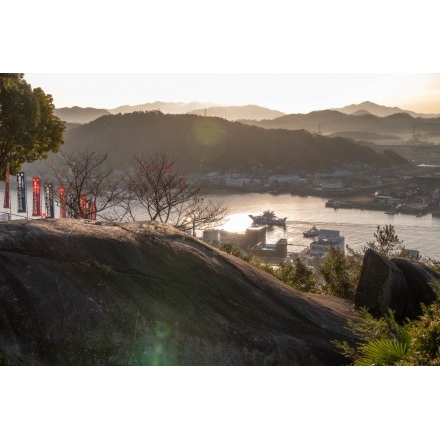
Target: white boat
312	232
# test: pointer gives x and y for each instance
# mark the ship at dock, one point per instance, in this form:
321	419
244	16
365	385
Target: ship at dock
268	218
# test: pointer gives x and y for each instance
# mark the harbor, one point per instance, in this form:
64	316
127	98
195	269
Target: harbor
356	221
387	204
356	225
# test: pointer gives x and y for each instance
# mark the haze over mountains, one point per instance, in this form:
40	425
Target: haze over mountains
380	110
397	128
84	115
367	122
233	113
202	145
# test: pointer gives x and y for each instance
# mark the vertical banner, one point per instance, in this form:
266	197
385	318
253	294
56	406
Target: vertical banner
48	191
89	209
63	201
72	207
92	210
21	192
36	197
83	203
6	203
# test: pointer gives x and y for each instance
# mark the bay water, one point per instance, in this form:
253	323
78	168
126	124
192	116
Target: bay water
357	226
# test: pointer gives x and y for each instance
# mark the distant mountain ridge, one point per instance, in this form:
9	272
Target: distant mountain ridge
380	110
366	122
234	113
83	115
231	113
394	128
173	108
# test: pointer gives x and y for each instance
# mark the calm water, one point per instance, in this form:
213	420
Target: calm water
357	226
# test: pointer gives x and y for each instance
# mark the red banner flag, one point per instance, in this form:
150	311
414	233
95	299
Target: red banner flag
36	199
92	211
83	203
63	201
6	203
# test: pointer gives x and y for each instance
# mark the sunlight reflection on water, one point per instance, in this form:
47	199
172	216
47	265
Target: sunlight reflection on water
357	226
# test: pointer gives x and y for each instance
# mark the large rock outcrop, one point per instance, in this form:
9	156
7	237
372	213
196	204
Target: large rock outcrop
76	293
398	284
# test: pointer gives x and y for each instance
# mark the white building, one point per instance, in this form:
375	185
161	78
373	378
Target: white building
214	178
236	180
326	239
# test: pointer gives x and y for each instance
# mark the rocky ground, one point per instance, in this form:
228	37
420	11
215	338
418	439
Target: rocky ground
142	293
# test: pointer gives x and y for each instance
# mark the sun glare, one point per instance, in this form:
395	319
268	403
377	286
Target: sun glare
237	223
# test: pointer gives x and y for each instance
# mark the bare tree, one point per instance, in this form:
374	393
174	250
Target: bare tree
161	191
202	214
88	187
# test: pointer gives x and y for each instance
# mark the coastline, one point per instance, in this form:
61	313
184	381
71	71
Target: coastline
362	198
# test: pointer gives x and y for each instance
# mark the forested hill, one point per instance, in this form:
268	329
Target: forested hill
206	144
400	127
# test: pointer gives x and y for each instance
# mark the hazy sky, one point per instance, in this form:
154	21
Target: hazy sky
245	38
287	92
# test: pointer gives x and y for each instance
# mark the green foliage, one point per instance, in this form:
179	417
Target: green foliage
381	341
297	275
28	128
370	328
434	264
425	337
385	342
386	242
382	352
340	273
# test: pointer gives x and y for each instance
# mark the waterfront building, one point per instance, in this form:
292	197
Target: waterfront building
254	235
326	239
233	238
236	181
211	235
271	253
283	179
